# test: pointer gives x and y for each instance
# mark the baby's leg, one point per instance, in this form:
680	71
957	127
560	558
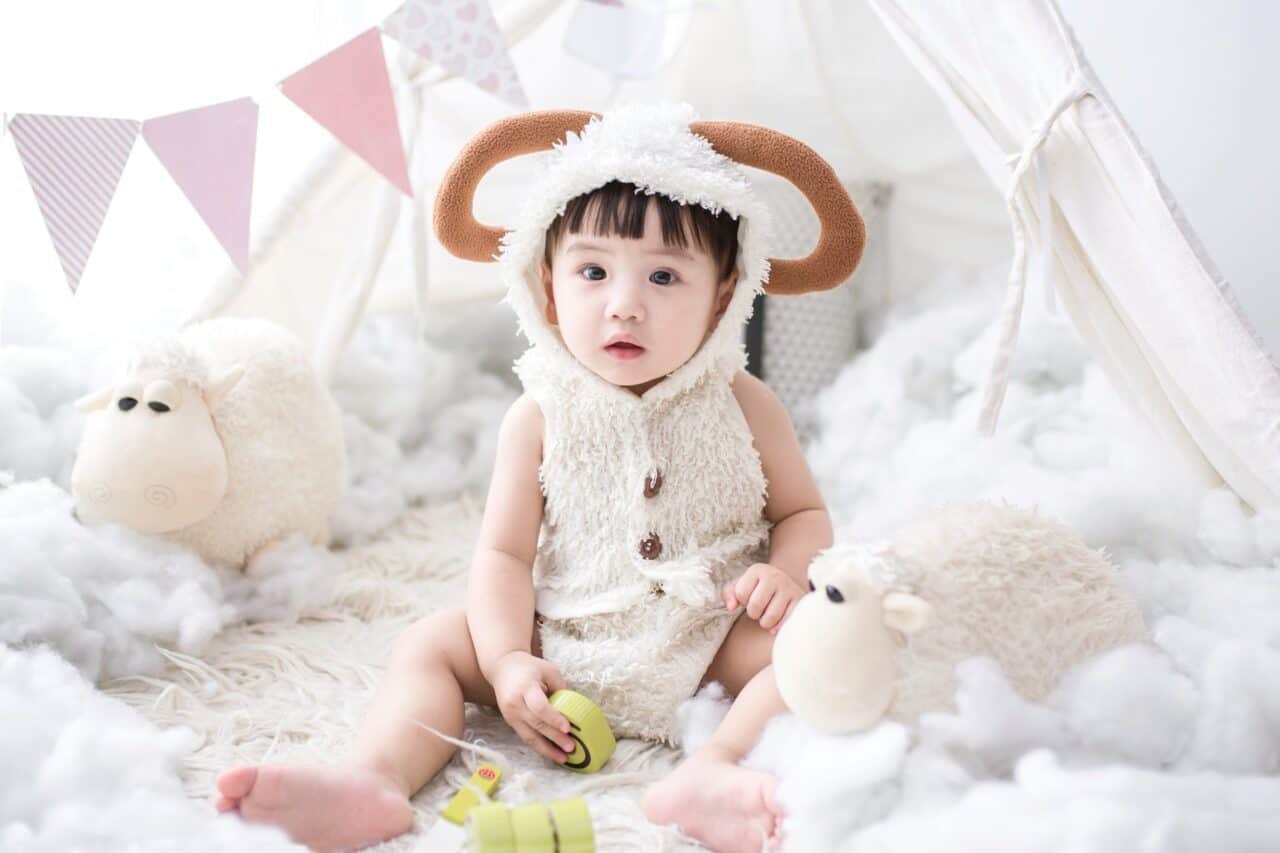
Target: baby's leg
727	807
365	798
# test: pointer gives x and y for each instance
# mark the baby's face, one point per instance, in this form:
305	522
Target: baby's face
667	299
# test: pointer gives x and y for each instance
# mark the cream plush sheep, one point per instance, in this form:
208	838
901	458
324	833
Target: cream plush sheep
884	627
220	438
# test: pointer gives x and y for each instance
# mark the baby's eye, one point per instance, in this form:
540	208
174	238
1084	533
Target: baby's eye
593	273
662	277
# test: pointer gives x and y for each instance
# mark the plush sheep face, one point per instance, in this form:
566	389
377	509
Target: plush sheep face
150	457
835	657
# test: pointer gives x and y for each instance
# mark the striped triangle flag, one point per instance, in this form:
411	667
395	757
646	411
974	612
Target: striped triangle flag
209	153
349	92
74	164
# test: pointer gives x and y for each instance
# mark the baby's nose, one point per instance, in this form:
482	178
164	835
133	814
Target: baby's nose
626	302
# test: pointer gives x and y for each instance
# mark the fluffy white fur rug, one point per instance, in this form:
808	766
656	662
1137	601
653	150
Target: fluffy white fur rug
294	692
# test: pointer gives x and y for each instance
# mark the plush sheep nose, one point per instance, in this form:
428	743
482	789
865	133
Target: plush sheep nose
833	595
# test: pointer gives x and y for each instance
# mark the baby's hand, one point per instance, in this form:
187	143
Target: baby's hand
769	593
521	684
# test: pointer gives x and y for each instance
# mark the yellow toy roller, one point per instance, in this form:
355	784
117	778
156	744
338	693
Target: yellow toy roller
563	826
593	739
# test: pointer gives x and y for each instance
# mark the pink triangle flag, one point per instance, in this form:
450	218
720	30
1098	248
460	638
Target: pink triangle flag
463	36
348	91
209	153
74	164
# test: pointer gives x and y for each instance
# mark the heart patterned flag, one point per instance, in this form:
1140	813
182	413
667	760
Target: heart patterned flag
462	36
349	92
74	164
209	153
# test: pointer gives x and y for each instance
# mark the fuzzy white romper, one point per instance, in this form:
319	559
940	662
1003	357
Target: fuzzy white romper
654	502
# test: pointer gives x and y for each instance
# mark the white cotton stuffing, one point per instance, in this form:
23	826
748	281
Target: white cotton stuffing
104	597
85	772
1170	746
422	412
39	427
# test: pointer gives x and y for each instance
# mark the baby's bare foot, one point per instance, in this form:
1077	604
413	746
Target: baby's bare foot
324	807
726	807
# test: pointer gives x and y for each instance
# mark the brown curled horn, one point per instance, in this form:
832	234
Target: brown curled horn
843	233
833	259
454	218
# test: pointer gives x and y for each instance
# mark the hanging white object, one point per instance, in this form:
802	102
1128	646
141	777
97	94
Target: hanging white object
628	40
1011	316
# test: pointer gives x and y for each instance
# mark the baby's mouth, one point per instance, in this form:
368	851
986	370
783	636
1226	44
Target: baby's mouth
624	350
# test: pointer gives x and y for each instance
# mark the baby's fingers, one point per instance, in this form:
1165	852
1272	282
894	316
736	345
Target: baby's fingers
739	592
547	720
791	605
759	601
539	744
728	597
775	612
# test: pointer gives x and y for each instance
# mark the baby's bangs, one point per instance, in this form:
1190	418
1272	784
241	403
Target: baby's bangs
618	209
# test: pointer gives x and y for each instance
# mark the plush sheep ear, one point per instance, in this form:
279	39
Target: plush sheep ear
905	612
220	386
96	401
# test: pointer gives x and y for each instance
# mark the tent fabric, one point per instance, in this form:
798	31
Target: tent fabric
1020	111
1129	270
945	215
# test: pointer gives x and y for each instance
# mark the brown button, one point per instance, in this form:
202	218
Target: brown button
652	486
650	548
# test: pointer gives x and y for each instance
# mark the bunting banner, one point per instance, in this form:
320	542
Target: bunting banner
209	153
74	164
624	39
348	91
463	37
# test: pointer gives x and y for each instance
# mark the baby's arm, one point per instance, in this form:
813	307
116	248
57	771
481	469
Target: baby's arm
500	601
801	524
500	586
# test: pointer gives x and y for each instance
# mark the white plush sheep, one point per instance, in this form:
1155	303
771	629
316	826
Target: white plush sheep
220	438
885	625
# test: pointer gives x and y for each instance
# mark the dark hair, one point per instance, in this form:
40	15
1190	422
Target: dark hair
619	210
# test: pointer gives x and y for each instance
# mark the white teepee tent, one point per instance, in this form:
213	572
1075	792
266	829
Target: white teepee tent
1022	105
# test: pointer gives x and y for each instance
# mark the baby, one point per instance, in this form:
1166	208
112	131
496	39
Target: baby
650	519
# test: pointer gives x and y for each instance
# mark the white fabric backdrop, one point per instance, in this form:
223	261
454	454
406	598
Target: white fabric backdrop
824	71
1156	314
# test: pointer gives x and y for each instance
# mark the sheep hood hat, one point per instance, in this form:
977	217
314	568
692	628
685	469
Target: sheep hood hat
661	149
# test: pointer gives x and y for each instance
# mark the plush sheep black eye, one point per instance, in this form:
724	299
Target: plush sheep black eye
157	407
833	595
127	403
811	586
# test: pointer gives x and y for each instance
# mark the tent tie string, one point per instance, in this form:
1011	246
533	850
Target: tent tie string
1030	159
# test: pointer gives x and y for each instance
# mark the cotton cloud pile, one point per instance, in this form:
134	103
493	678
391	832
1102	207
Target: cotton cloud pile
39	428
1172	746
84	772
422	411
104	597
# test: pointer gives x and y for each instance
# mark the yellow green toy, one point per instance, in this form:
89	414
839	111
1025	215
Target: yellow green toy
593	739
563	826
